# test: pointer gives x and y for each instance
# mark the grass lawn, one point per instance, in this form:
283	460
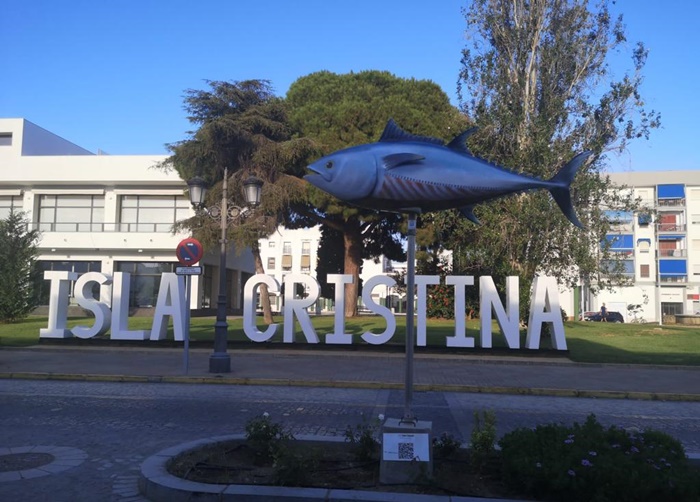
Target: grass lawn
587	341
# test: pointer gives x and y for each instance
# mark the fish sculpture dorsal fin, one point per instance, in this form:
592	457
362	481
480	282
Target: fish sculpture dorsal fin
459	143
392	132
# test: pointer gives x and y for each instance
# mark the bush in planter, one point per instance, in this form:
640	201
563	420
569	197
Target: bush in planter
265	437
590	463
363	438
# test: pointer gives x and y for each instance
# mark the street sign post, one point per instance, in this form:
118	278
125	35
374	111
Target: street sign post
189	252
188	270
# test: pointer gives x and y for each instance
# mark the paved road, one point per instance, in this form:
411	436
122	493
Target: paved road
118	425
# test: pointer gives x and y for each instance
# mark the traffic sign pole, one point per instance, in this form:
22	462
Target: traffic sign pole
189	252
186	334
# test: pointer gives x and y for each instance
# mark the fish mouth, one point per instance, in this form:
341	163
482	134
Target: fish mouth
323	173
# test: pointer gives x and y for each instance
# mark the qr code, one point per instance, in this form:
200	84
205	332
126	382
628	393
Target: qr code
406	451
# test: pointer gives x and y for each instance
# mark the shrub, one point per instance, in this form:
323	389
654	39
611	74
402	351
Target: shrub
363	439
588	462
293	467
483	438
264	436
445	446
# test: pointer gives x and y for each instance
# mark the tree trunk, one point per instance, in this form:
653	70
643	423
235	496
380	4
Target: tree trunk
353	263
264	294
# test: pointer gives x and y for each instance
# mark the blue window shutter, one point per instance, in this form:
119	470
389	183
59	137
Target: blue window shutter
672	267
671	191
620	242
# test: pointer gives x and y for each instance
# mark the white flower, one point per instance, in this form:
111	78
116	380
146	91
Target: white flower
381	417
266	415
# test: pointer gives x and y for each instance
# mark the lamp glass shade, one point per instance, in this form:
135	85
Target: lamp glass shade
252	190
198	191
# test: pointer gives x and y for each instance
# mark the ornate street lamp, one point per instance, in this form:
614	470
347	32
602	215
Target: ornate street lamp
220	360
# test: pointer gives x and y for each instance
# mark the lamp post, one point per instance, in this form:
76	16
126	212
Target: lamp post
220	360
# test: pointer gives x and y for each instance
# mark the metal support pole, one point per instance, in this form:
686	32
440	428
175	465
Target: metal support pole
220	360
186	314
410	331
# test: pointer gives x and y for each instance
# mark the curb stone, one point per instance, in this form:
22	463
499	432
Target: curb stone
158	485
473	389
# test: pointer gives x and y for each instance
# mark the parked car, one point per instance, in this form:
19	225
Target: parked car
609	317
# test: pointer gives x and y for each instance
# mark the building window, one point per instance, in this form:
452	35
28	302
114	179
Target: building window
287	248
270	263
8	204
145	281
207	286
5	139
71	213
619	243
287	263
643	245
271	244
644	271
152	213
643	219
79	267
306	256
618	217
671	308
673	270
624	267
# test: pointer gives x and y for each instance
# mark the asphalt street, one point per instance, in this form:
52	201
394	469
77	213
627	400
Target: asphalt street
118	424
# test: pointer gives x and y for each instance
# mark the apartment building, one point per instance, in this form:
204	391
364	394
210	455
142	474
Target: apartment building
296	251
105	213
660	253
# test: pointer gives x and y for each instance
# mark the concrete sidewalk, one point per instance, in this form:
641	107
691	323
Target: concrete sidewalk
358	369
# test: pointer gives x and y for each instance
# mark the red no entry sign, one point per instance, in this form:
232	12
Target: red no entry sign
189	252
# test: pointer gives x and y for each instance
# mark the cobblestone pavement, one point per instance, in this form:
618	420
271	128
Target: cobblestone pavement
118	425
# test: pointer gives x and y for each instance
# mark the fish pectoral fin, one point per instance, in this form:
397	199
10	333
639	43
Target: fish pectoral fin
459	143
398	159
468	213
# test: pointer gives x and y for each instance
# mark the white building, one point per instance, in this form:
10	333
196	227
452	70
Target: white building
106	213
661	254
296	251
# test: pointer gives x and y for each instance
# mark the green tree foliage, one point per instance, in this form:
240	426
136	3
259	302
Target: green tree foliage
338	111
330	259
535	80
241	126
19	271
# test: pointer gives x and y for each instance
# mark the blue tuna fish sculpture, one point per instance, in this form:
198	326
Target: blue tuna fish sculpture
404	172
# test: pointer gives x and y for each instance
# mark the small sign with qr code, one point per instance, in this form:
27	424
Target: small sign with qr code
406	447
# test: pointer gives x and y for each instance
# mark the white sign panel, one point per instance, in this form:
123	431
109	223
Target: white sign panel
406	447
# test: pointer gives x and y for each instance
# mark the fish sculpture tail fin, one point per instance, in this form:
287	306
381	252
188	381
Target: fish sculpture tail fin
561	192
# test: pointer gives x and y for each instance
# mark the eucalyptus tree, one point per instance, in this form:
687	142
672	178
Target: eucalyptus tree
339	111
536	79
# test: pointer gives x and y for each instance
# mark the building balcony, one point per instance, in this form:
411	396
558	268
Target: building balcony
673	253
674	279
91	236
670	203
671	227
103	227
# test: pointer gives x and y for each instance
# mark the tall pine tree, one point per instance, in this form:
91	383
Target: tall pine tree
19	271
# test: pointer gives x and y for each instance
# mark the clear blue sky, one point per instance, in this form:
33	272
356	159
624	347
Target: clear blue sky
111	74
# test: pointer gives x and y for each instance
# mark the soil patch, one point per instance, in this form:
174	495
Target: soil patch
328	464
24	461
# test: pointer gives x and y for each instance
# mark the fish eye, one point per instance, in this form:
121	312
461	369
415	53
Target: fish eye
329	164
